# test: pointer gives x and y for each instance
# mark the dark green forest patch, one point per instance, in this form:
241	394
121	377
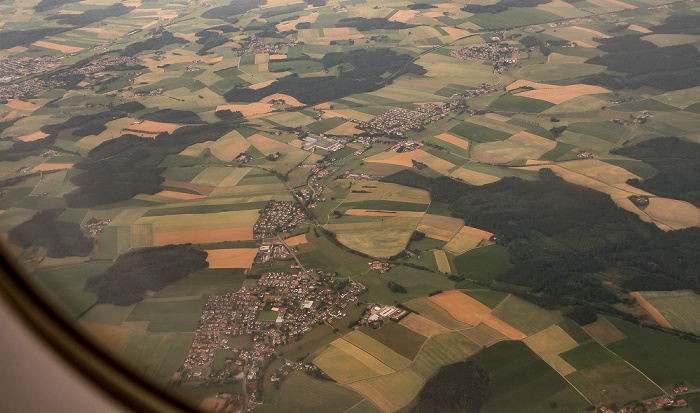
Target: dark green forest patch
136	273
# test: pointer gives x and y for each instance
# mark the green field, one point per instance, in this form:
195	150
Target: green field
520	380
479	133
378	350
609	131
66	285
598	368
383	206
267	315
410	277
525	316
491	299
481	264
294	393
402	340
680	308
176	315
662	357
442	350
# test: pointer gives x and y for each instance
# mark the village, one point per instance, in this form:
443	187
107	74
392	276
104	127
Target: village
501	54
278	216
398	120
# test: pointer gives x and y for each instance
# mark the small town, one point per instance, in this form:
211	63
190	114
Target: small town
277	310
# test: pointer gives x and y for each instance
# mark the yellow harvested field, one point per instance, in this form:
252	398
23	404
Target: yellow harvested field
504	328
462	242
405	159
298	240
52	166
60	47
265	144
33	137
579	43
229	146
378	239
461	307
21	105
231	258
401	159
363	357
387	192
639	29
440	225
149	24
347	128
560	94
473	177
179	195
442	262
674	213
551	342
608	179
202	189
603	331
483	335
17	49
249	109
278	56
203	236
381	213
476	231
342	367
622	4
402	16
455	32
150	126
192	222
594	32
393	392
655	314
522	145
422	325
464	144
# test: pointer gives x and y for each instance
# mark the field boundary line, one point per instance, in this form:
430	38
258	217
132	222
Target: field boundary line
640	372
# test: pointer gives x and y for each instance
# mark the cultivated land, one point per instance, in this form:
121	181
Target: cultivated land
145	124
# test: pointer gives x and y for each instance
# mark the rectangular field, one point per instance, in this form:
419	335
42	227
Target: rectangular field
442	263
231	258
433	312
343	367
484	335
461	306
422	325
524	316
378	350
603	331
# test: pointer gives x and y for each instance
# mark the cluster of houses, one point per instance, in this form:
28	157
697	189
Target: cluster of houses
398	120
278	216
14	67
94	226
585	155
258	45
381	266
406	146
360	176
501	54
35	85
273	250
